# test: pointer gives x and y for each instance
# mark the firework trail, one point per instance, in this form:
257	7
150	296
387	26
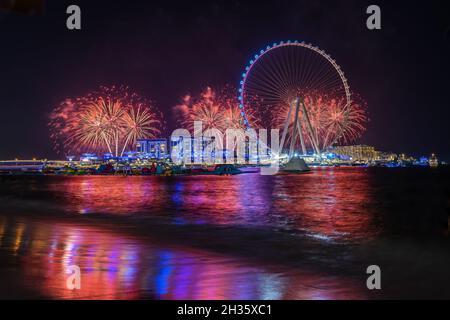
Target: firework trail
108	120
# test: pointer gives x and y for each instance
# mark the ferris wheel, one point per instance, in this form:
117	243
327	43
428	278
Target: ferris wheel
287	73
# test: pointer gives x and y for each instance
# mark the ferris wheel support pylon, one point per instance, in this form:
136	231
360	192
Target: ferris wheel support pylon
294	128
310	128
285	130
302	140
297	128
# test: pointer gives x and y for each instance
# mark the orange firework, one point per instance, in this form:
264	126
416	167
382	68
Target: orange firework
108	120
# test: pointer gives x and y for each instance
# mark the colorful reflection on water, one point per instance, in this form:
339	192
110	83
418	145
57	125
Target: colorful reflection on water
285	237
328	203
117	266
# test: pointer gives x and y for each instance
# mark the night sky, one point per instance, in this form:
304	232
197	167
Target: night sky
165	49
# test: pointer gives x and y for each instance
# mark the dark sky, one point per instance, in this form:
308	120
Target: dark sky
164	49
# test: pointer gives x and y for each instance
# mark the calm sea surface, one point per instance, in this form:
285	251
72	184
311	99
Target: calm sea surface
308	236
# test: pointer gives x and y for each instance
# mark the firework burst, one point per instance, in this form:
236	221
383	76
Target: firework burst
216	109
206	109
344	122
332	120
108	120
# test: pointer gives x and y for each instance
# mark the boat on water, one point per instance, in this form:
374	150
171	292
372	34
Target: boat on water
22	166
18	167
220	169
43	167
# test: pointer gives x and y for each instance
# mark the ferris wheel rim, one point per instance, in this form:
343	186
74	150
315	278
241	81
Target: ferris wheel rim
278	45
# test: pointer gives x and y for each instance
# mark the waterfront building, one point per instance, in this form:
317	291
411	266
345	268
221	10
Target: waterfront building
152	148
368	154
362	153
387	156
89	157
195	150
406	158
433	161
205	151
